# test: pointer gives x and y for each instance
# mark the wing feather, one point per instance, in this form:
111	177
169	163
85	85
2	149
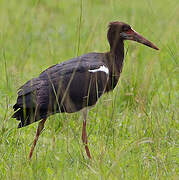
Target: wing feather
65	87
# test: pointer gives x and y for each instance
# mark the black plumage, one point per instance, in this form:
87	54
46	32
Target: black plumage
75	84
66	87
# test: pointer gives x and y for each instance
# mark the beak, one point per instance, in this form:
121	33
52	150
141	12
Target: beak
134	36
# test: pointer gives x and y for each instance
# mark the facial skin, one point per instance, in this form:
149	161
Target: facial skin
127	33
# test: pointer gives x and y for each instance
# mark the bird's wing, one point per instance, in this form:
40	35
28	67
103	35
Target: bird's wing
77	85
65	87
72	66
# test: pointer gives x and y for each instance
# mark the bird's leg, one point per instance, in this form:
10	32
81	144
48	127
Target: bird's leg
84	134
39	130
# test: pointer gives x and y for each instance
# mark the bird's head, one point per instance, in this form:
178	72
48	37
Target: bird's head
122	31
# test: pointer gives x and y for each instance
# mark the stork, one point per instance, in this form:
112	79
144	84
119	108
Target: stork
75	84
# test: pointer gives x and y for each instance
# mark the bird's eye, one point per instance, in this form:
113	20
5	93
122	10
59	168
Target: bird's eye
126	28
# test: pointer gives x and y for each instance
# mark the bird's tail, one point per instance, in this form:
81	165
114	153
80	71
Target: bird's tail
23	115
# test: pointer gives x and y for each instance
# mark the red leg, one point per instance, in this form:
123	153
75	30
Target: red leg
39	130
84	136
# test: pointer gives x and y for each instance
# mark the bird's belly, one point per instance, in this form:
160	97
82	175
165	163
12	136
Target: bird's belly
82	93
77	100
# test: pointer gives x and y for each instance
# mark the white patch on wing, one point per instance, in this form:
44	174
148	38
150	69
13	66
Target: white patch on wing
101	68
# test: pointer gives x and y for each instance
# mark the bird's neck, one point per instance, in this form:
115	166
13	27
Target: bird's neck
117	48
115	59
117	56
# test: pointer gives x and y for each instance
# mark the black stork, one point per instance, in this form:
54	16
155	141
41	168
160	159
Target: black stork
75	84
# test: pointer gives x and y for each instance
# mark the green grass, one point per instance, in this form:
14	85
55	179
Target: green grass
133	131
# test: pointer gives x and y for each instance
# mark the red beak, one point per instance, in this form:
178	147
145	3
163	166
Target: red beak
134	36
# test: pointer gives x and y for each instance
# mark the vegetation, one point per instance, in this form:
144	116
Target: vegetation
133	131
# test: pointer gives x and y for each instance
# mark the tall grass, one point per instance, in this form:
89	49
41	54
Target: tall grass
133	131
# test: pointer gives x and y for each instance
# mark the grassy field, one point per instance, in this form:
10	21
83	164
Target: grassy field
133	131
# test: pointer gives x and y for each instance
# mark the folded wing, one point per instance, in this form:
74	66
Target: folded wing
66	87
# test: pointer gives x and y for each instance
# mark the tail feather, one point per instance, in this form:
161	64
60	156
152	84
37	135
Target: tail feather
24	115
28	115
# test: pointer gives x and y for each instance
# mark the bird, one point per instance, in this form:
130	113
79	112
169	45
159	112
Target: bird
76	84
